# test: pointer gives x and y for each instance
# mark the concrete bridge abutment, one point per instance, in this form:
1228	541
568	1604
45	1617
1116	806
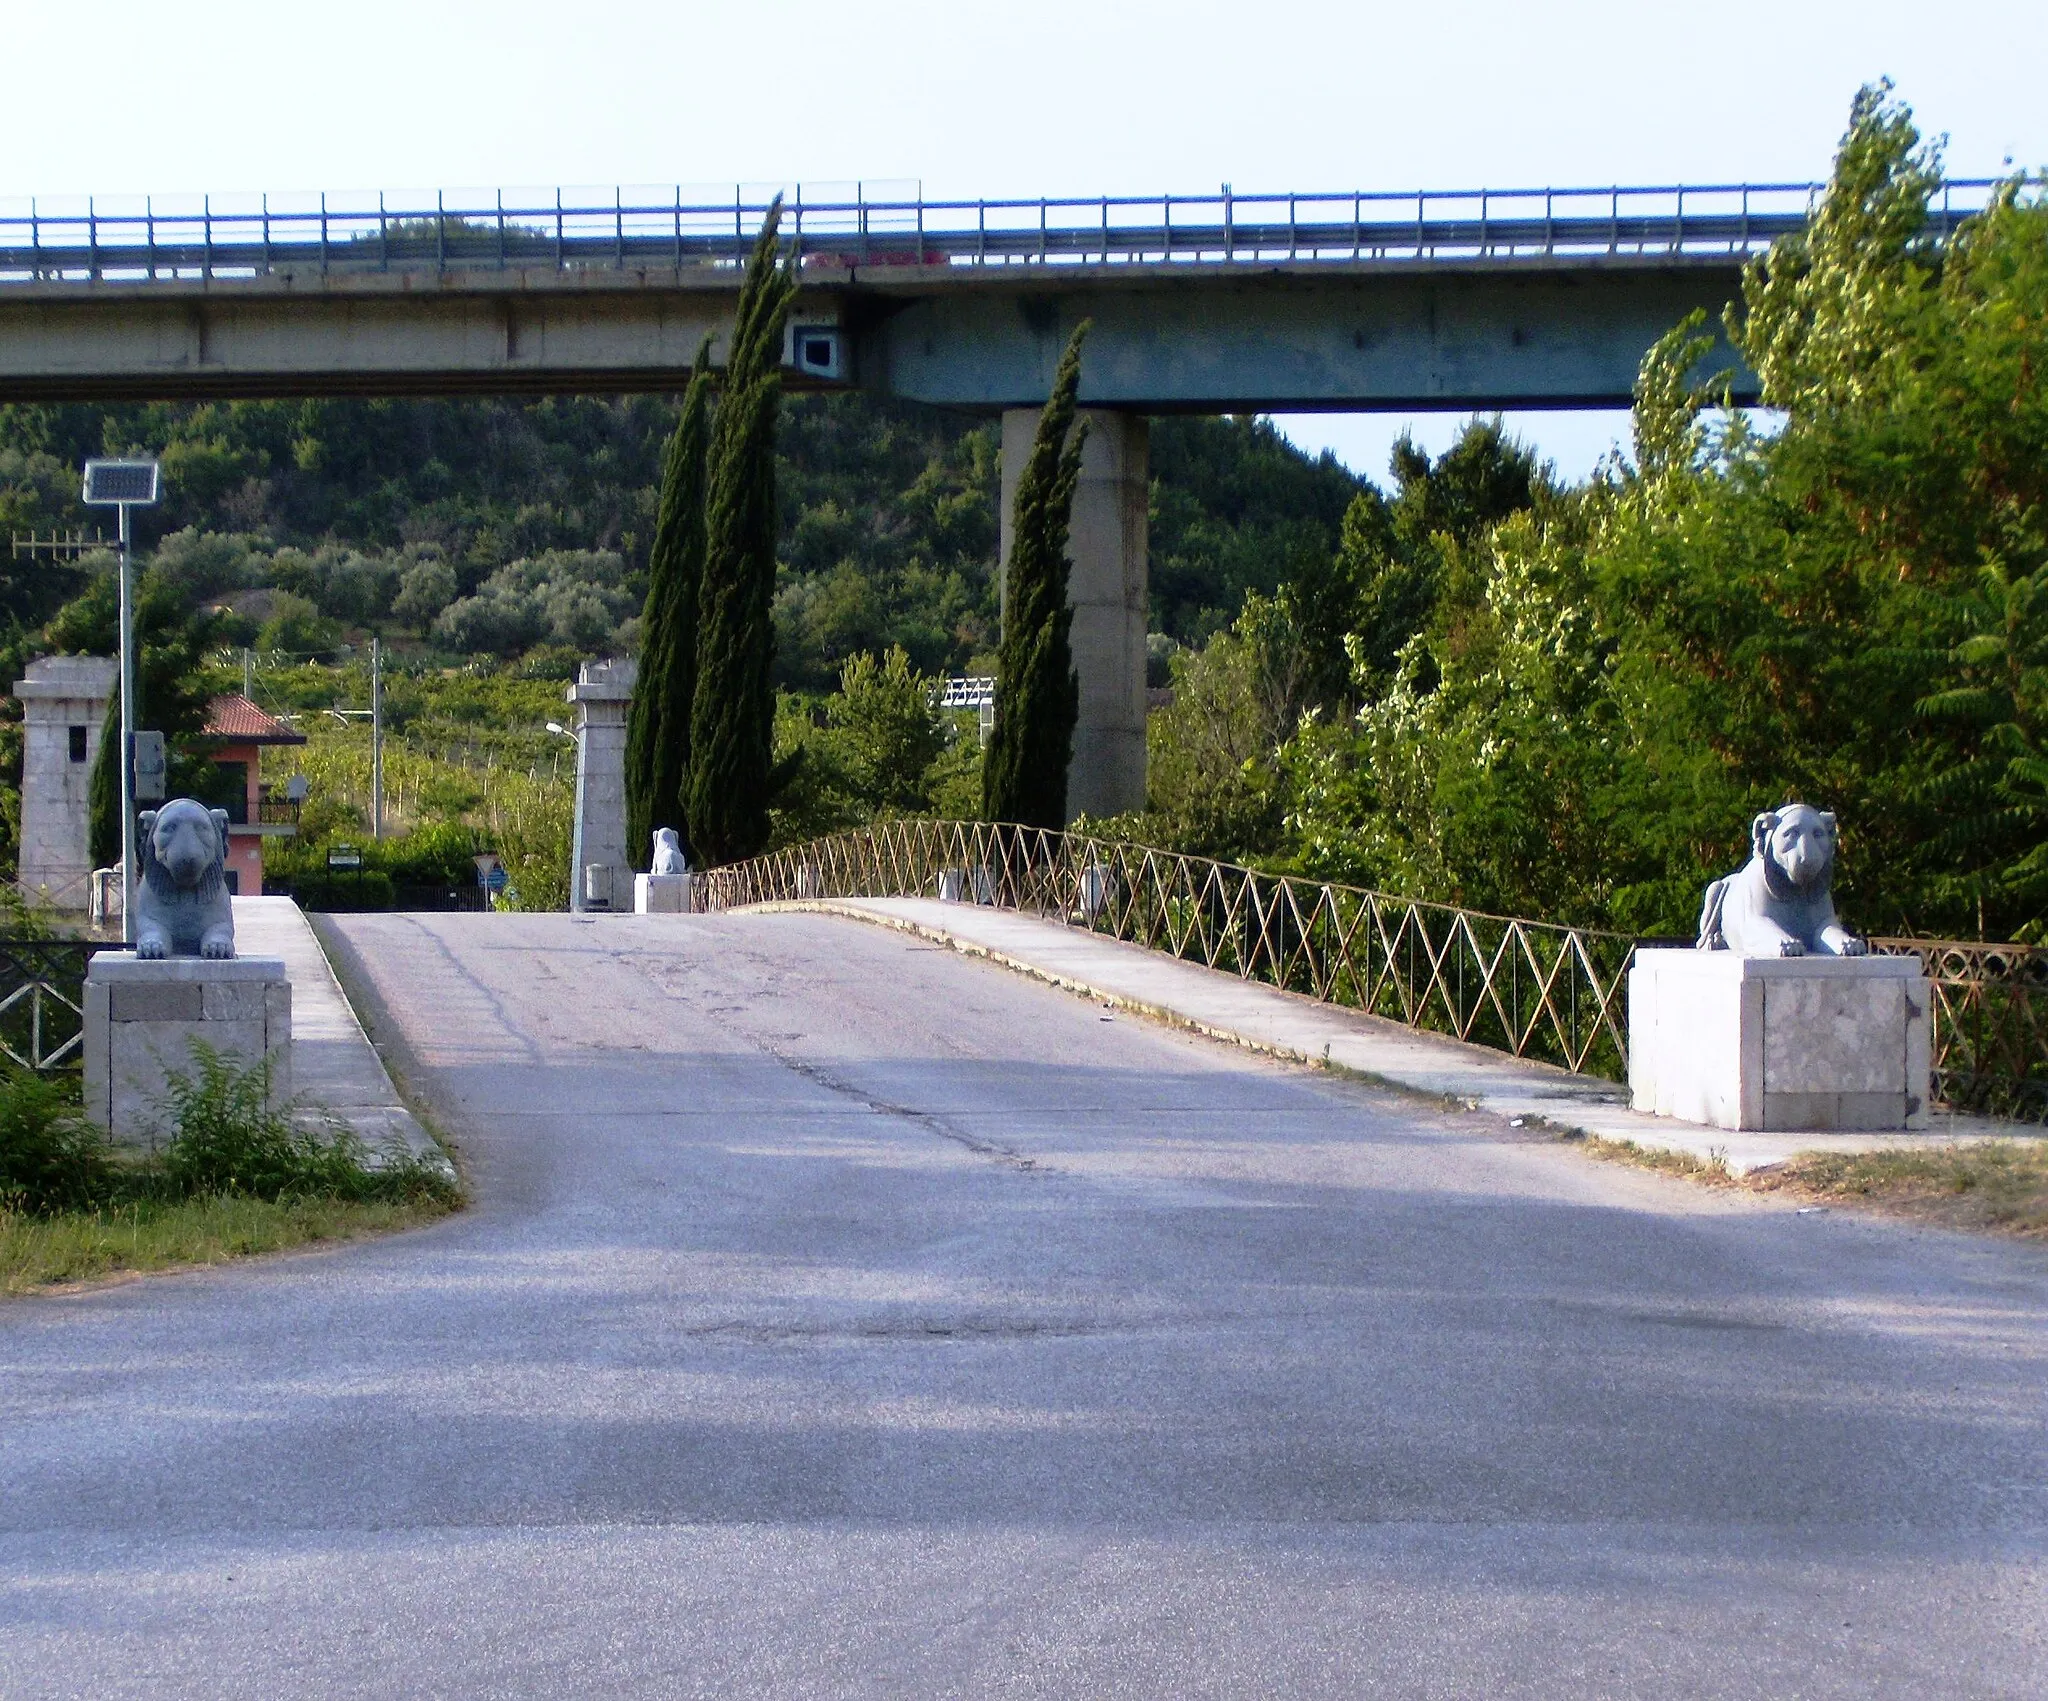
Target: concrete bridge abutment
1107	590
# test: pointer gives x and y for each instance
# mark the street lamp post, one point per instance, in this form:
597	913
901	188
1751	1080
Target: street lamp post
124	485
576	827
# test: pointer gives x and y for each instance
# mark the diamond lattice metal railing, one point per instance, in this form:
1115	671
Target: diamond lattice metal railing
1527	988
1990	1032
1531	989
42	999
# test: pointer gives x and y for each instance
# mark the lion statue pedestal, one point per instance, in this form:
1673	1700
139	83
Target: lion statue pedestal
183	982
1786	1043
665	890
1779	1019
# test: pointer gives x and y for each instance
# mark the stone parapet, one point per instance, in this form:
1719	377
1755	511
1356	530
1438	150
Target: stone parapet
1779	1043
142	1017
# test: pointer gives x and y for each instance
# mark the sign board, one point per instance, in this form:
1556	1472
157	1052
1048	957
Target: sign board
344	856
149	767
490	871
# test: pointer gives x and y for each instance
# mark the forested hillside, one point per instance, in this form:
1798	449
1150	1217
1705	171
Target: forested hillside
493	527
505	538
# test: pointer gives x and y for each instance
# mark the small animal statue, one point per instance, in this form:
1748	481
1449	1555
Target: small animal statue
668	853
182	907
1779	905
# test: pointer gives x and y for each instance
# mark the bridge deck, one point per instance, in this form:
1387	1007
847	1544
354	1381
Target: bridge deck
838	1315
1526	298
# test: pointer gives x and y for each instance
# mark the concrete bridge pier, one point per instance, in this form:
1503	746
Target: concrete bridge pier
1107	589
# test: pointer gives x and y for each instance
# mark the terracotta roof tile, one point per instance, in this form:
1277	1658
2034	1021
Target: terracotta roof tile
238	719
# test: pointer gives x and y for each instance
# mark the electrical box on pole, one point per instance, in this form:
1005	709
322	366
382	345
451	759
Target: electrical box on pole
150	767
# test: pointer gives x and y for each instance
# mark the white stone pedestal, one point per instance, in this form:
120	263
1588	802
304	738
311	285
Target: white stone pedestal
1785	1043
661	894
141	1017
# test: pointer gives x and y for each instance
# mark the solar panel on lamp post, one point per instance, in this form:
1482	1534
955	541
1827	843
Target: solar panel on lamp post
124	485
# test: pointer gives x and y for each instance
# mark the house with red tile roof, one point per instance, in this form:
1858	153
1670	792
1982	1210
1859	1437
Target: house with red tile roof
240	730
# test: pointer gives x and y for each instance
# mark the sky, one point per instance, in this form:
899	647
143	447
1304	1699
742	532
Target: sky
1058	97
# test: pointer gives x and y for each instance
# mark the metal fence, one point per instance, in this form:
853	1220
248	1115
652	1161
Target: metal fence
1528	988
42	999
140	239
1990	1031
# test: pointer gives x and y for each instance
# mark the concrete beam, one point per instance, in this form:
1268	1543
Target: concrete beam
1330	337
1368	334
1107	591
362	334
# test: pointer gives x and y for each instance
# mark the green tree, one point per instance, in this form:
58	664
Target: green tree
1400	556
171	693
732	714
1024	772
1213	786
1996	791
658	732
885	732
1843	610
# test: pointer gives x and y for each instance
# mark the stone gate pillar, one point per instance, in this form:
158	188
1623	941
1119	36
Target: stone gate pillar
1107	590
63	706
600	872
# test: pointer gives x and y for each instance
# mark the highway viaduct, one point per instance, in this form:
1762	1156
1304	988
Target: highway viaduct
1219	303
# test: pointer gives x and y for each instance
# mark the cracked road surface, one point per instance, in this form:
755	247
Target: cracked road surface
842	1317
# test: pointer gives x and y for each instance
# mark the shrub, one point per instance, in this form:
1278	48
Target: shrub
228	1139
51	1158
425	590
297	627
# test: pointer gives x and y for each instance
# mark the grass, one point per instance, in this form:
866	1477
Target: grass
71	1247
237	1176
1710	1171
1999	1185
1995	1186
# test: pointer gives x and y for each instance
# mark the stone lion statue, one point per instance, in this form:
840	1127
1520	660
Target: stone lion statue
182	907
1779	905
668	853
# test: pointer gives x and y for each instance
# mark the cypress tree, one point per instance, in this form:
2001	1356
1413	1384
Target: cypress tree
1038	697
732	716
658	729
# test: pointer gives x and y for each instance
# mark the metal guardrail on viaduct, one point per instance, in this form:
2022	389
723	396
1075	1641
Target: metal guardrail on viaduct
1532	989
1540	297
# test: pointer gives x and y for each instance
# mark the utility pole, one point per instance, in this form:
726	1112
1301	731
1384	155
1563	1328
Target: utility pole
376	738
375	714
248	673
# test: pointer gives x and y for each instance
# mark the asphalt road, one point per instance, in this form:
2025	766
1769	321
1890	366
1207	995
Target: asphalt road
840	1316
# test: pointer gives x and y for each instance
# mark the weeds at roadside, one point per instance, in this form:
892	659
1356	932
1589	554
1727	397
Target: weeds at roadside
38	1253
1996	1184
235	1176
1999	1185
1713	1170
